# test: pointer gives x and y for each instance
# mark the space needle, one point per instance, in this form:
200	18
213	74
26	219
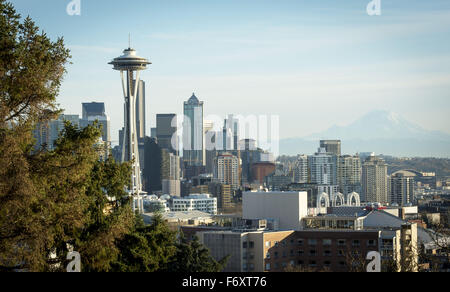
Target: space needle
130	66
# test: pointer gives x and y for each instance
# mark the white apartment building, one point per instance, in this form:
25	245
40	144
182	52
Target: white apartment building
195	202
323	168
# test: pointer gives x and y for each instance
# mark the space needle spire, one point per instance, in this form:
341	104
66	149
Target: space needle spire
130	66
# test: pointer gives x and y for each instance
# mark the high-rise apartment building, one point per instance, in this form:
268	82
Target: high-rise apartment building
193	133
374	180
402	188
301	169
226	170
323	168
349	174
331	146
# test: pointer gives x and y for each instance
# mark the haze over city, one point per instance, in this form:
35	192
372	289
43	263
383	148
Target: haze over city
314	63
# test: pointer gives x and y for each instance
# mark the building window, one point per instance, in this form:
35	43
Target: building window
300	263
341	253
341	242
313	252
326	242
312	264
267	267
251	244
276	254
268	255
301	252
327	264
268	244
312	241
244	244
355	242
371	242
327	253
300	242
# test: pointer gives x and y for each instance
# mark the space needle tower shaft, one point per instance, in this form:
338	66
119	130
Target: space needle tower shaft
130	66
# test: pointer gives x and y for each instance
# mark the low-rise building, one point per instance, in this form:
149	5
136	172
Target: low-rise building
287	207
198	202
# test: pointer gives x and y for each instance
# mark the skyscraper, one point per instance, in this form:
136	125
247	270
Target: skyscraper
231	134
349	174
301	169
95	111
48	132
323	168
166	132
374	180
226	170
193	133
402	188
152	173
331	146
140	110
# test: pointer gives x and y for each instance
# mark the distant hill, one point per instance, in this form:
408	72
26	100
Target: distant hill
381	132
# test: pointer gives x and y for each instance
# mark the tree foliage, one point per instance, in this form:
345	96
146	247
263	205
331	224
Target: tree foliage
66	199
146	248
194	257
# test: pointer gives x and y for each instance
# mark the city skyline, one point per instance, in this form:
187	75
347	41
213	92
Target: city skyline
262	56
244	175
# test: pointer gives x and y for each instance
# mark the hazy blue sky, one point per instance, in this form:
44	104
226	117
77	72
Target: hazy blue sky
315	63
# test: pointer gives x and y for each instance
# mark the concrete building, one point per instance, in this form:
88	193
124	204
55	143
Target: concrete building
171	187
287	207
224	195
374	180
349	174
331	146
96	112
278	180
175	220
401	190
323	168
275	251
199	202
301	173
226	170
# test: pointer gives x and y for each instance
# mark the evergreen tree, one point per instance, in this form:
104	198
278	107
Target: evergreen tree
193	257
147	248
31	70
